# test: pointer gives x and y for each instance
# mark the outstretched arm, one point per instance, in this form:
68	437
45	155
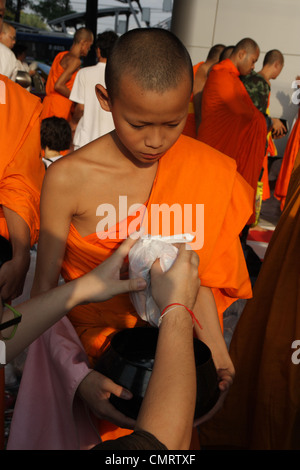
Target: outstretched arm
41	312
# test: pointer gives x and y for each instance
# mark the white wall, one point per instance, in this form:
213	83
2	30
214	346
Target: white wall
273	24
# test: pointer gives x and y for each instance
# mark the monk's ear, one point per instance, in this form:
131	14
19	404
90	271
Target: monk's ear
103	97
242	54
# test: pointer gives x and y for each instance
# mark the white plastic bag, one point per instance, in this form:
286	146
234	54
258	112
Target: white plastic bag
141	257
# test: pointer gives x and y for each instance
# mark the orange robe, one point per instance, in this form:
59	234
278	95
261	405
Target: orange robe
199	169
190	125
291	150
262	410
232	124
21	167
54	103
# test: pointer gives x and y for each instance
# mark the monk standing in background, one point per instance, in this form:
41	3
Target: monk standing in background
21	176
62	75
288	161
149	81
258	86
200	75
230	121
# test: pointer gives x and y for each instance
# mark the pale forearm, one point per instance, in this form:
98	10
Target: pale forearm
39	314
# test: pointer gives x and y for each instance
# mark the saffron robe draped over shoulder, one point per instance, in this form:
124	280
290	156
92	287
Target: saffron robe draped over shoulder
262	409
190	125
21	167
231	123
289	157
188	174
55	104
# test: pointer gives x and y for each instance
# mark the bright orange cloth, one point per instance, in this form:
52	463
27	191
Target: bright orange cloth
199	170
262	409
54	103
232	124
291	150
21	167
190	125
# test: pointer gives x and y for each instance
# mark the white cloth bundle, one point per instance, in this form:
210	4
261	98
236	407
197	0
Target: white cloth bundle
141	257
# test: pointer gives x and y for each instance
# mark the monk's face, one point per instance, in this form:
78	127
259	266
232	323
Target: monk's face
2	9
247	63
148	123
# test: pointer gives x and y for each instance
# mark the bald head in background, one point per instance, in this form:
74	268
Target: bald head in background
8	35
244	55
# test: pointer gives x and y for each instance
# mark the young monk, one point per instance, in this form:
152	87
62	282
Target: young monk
288	161
149	80
258	85
21	176
62	75
230	121
201	77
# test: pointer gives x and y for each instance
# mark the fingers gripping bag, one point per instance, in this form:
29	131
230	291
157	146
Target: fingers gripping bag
141	258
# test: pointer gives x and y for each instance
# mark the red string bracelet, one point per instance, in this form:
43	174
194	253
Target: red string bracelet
167	309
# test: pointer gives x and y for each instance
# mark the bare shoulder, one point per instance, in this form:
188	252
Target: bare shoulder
79	166
70	61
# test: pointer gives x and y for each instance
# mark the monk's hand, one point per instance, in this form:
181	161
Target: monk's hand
12	277
104	282
95	390
225	378
278	128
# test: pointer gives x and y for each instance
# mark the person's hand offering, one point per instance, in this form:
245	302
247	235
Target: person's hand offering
180	284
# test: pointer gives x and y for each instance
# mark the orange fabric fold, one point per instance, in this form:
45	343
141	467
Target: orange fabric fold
261	410
232	124
190	125
198	170
288	161
54	103
21	167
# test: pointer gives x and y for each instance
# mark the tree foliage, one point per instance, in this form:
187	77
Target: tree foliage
50	10
14	7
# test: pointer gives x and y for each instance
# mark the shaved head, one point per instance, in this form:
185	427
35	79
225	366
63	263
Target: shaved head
215	51
83	34
246	44
273	56
155	59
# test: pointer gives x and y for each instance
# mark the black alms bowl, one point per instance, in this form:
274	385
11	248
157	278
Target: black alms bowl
129	361
5	250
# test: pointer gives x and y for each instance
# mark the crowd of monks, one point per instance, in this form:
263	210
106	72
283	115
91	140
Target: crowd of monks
222	114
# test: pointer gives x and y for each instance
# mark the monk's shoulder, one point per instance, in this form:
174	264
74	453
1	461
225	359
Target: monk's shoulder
198	154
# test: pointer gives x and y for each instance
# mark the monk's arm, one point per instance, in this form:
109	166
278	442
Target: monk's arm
60	85
206	311
13	273
56	209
